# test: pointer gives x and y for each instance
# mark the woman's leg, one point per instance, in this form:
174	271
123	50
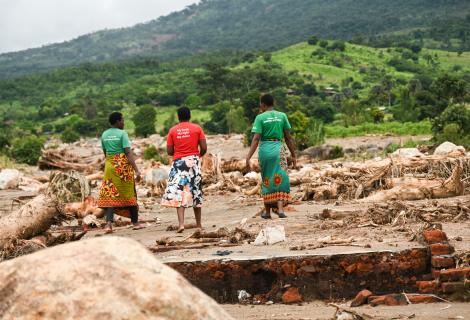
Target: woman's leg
267	212
109	220
198	216
135	218
180	212
280	209
134	211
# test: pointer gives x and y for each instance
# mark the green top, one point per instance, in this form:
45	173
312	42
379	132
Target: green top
114	141
271	125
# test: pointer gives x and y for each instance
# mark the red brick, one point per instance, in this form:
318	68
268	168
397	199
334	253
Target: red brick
438	249
292	295
451	287
427	286
454	274
351	268
361	298
417	298
435	273
218	275
289	269
364	267
443	262
434	236
389	300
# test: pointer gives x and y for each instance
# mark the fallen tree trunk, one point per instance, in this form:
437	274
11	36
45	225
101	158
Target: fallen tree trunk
419	189
36	216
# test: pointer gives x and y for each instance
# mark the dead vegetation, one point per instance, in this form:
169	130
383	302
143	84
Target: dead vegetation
38	215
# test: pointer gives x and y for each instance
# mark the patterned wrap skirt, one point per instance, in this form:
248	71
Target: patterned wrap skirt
273	161
118	186
184	187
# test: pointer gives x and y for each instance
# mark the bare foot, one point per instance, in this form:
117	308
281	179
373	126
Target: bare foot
180	230
108	230
138	226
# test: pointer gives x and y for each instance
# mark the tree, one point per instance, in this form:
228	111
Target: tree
337	45
267	57
455	113
27	149
144	121
313	40
323	43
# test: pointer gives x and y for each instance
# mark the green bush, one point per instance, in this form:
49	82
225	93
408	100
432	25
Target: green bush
335	153
27	149
313	40
452	132
453	114
152	153
69	136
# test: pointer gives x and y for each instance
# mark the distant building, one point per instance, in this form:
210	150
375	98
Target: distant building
330	91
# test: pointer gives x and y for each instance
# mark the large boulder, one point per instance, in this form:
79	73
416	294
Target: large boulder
407	153
9	179
448	148
101	278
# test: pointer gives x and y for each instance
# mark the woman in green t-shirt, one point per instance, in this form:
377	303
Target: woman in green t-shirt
120	173
271	127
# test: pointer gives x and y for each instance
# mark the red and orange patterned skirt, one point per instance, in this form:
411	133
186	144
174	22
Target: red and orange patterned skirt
118	186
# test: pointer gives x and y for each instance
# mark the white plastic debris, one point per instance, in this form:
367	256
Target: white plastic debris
270	235
243	296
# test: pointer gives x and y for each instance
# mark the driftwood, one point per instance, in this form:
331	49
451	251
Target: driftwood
418	189
65	160
36	216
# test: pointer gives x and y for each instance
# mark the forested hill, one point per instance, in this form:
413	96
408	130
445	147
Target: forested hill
251	25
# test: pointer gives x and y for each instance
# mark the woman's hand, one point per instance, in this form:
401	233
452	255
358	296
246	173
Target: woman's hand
138	176
294	162
248	165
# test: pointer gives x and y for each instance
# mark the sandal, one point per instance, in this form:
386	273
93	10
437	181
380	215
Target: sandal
282	215
265	215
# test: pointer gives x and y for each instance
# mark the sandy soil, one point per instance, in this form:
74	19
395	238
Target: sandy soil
321	311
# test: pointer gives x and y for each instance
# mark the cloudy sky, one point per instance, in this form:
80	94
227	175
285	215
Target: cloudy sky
32	23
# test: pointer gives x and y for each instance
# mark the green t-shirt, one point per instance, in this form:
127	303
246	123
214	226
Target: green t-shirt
271	125
114	141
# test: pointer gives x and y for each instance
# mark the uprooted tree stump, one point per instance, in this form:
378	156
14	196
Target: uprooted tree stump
118	278
36	216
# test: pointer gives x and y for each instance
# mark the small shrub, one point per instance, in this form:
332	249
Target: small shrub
27	150
69	136
336	152
152	153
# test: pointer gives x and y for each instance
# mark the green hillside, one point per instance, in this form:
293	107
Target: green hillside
261	25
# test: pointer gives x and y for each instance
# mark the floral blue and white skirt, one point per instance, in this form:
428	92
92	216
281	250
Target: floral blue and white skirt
184	187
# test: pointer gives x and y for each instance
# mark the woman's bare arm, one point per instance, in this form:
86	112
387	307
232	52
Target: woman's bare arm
202	147
291	146
254	146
